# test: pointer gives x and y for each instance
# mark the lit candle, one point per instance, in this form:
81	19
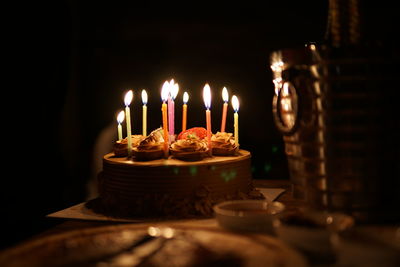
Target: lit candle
235	105
120	119
128	100
173	92
144	113
225	97
207	103
184	110
164	98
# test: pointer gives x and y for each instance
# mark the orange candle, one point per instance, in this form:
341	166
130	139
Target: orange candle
225	97
207	103
184	110
208	119
164	98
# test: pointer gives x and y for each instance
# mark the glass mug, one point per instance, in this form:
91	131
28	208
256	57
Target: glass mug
337	111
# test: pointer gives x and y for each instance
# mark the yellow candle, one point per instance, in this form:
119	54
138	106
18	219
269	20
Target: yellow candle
235	105
120	131
236	125
144	113
207	103
184	110
225	97
120	119
128	100
164	98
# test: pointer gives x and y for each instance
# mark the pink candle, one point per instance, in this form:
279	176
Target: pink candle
225	97
173	92
207	103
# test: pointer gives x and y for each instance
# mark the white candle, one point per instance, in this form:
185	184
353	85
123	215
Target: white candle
120	119
128	100
144	113
235	105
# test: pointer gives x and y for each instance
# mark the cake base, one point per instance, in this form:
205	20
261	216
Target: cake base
171	187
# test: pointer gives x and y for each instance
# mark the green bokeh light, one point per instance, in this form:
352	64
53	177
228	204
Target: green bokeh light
228	175
267	167
193	170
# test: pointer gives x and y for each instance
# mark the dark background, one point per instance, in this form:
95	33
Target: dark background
79	58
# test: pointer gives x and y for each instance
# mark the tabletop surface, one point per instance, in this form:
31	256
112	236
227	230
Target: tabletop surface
381	236
286	198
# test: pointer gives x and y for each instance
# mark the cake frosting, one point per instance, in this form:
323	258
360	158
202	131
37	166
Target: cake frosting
154	141
151	147
121	146
223	144
191	144
190	148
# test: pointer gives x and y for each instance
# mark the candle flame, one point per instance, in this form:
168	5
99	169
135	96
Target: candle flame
165	91
225	95
121	117
128	98
144	97
207	96
174	88
235	103
185	97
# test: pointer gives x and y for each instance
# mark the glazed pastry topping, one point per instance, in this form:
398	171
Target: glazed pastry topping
153	141
223	140
190	144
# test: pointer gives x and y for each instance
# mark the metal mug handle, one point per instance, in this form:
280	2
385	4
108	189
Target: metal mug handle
286	97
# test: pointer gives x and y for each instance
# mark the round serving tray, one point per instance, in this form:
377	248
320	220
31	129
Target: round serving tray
90	246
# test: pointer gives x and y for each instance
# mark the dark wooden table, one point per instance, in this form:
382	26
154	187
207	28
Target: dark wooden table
286	198
389	235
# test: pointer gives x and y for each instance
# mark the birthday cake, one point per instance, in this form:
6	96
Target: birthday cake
180	178
172	187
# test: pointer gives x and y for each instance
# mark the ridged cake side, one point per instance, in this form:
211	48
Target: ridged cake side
173	187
